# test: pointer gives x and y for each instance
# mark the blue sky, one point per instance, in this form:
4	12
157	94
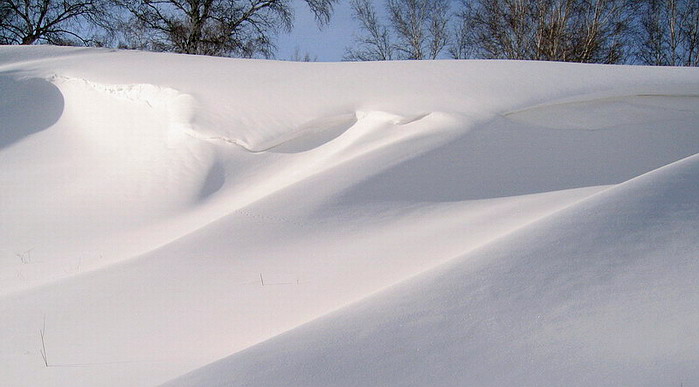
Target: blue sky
328	44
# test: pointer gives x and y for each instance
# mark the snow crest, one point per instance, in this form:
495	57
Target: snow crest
178	108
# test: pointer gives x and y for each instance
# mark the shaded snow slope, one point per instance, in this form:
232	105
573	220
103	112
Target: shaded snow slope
160	212
601	293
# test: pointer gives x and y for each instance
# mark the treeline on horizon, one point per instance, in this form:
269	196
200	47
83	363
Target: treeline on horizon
649	32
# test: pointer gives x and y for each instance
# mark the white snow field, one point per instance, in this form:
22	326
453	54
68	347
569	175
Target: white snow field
198	221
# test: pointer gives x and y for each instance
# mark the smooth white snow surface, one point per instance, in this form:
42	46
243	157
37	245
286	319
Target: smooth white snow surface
413	223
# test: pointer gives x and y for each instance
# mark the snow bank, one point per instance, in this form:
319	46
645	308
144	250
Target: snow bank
161	212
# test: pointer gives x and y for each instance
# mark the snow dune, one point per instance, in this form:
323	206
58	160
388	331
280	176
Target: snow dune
603	292
455	222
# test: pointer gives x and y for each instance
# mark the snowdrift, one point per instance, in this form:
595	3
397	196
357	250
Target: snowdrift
402	223
605	296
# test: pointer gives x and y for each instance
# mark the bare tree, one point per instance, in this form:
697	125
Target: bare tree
496	28
49	21
669	33
298	56
4	16
416	29
420	27
374	42
601	31
591	31
212	27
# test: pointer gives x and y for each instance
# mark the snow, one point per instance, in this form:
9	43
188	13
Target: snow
605	296
437	222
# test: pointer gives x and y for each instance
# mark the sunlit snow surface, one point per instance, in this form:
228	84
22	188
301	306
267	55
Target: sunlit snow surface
204	221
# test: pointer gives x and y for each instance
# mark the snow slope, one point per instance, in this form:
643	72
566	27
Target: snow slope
606	294
446	222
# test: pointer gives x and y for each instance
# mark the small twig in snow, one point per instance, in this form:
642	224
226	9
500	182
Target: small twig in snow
42	332
25	257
